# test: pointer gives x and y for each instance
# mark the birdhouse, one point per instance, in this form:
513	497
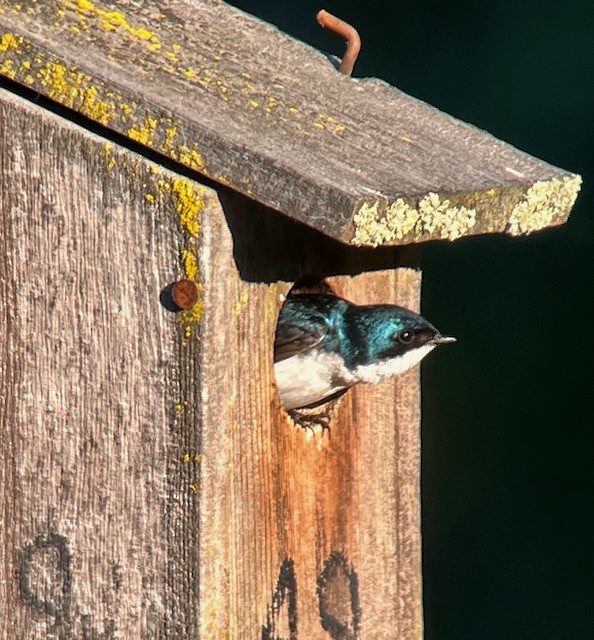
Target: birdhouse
170	172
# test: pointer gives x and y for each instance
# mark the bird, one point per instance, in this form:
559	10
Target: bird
325	344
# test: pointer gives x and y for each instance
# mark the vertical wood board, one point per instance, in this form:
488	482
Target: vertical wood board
95	489
322	529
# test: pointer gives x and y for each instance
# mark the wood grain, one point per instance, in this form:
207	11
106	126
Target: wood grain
275	495
237	100
94	488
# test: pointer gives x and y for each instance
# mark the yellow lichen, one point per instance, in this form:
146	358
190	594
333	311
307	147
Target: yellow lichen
195	486
193	315
544	202
241	302
144	133
434	218
7	69
98	110
190	264
111	160
10	41
191	158
112	20
108	25
71	88
189	205
168	146
63	84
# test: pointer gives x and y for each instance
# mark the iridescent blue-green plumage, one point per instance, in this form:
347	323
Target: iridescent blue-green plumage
325	344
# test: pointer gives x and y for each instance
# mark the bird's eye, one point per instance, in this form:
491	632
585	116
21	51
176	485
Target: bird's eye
406	336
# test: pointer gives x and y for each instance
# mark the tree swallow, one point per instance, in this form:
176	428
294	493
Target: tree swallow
325	345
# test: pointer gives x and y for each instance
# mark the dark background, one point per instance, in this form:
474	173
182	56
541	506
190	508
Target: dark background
508	424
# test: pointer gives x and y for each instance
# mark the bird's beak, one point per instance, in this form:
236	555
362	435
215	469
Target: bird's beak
439	339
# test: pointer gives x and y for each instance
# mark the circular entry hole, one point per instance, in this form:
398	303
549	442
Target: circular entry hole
303	370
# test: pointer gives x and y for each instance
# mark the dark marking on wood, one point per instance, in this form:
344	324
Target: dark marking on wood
46	584
338	593
285	595
45	576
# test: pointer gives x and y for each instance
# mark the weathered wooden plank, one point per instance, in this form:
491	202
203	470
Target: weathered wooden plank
97	456
319	534
239	101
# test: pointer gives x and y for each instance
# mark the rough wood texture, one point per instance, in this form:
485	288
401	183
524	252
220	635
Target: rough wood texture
99	521
150	484
239	101
323	531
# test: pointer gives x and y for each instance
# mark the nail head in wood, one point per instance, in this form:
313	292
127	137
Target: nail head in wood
184	293
180	296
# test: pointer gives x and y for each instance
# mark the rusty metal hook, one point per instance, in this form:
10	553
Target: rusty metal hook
349	33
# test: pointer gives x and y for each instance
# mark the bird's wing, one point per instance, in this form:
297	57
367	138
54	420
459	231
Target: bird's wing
300	328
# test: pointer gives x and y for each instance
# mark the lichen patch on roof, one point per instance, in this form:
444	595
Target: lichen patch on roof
433	218
545	201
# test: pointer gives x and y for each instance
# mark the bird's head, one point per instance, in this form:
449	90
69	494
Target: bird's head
391	340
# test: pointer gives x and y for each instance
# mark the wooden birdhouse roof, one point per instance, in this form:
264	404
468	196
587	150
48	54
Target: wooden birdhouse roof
248	106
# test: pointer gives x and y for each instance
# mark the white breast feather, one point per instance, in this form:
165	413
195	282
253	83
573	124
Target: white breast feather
304	379
381	370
